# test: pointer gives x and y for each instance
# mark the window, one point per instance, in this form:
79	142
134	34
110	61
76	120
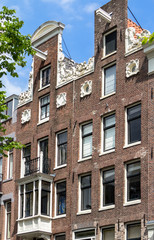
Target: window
134	123
110	42
109	133
29	199
85	192
86	132
45	160
33	195
108	233
61	148
60	237
10	164
61	198
8	220
45	77
133	181
134	231
44	107
45	198
109	80
108	187
26	159
86	235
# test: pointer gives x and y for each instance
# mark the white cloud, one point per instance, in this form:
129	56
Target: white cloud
90	8
10	87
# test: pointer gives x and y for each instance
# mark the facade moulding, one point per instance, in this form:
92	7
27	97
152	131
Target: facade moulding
133	40
68	70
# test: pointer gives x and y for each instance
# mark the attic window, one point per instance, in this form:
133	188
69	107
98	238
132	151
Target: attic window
110	42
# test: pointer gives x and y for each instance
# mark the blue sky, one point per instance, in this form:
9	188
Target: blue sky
78	17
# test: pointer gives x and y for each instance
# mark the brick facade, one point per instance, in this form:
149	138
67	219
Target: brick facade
91	108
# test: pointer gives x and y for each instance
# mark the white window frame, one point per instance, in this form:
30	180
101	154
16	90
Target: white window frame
8	164
105	228
47	118
103	81
103	152
22	170
39	153
39	198
126	126
133	202
81	158
104	45
79	194
84	230
130	223
56	150
6	219
101	190
60	215
41	71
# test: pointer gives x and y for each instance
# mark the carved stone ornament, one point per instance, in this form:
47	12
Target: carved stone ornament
86	88
131	43
61	100
27	96
132	67
26	116
68	70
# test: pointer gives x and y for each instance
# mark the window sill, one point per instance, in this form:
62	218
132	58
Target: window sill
108	55
132	203
107	208
7	180
132	144
43	87
108	95
43	121
107	152
59	216
58	167
84	159
84	212
31	217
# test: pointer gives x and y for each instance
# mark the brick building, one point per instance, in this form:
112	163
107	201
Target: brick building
86	171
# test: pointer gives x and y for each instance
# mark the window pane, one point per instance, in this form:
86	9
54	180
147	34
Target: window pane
111	42
108	234
110	138
10	108
61	237
27	152
45	77
134	231
10	164
108	187
109	121
86	129
29	200
109	80
45	202
133	181
87	146
62	148
83	234
86	192
61	198
134	123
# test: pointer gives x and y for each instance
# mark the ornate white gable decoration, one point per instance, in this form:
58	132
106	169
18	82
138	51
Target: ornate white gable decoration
86	88
132	67
26	116
61	100
26	97
68	70
131	43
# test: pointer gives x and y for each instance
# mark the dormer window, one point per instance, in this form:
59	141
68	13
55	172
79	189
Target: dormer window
110	42
45	77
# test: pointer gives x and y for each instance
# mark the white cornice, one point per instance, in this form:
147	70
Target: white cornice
100	12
